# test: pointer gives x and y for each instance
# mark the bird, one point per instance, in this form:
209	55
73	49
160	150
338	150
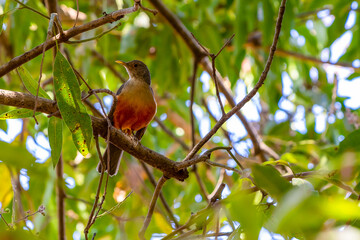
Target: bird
134	109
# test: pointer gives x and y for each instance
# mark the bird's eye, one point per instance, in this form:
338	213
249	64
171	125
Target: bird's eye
135	65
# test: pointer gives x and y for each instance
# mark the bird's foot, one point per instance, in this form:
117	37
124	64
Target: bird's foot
127	132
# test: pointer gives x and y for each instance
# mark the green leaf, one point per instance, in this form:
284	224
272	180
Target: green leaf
298	211
269	179
16	156
2	16
242	209
72	110
55	138
351	142
339	208
18	113
6	192
353	76
3	125
30	83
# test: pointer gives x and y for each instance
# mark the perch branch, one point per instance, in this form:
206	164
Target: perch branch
100	126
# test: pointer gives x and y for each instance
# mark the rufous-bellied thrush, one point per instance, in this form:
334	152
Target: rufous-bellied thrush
133	111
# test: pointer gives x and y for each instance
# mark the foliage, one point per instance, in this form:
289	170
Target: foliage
307	189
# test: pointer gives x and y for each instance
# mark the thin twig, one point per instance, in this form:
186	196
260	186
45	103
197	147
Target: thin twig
224	166
203	190
192	93
155	196
40	210
207	236
90	221
202	158
103	169
77	13
251	94
153	11
115	207
49	33
105	211
31	9
184	235
214	76
94	38
100	90
235	159
60	198
9	227
213	57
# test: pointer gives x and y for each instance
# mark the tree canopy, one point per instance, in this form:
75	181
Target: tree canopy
255	136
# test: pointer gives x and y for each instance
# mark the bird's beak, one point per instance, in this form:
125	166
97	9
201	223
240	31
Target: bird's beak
121	62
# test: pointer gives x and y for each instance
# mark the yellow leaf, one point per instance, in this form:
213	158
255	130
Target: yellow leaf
6	193
162	223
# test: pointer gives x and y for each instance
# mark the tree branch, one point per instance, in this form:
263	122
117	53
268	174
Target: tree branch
109	18
100	126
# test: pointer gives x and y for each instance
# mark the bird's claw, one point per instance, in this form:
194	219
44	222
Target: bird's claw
131	135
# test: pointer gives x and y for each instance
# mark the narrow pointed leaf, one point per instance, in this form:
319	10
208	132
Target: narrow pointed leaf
30	83
72	110
55	138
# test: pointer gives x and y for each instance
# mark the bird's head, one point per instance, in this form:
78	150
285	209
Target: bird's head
137	70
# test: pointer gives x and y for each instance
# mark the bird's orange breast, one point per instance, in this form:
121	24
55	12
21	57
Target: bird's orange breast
135	108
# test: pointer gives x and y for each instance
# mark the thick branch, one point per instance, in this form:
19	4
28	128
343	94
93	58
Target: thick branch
167	166
109	18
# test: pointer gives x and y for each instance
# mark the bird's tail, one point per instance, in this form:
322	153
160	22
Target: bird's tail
115	159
